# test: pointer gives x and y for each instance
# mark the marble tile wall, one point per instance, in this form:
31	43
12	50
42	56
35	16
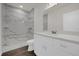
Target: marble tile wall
17	24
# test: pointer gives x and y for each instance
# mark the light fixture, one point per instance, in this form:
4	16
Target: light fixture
52	4
21	6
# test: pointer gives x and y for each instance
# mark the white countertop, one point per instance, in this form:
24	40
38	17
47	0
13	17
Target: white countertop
73	38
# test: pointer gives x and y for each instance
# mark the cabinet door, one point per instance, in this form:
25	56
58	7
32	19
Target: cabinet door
40	45
44	42
51	47
68	47
56	49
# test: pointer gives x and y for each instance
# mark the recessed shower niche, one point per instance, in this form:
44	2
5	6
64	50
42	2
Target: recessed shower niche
17	25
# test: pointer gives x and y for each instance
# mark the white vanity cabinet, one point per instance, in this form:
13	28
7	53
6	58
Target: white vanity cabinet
49	46
69	47
57	49
42	45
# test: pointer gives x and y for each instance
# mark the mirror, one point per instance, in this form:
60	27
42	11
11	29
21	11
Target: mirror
71	21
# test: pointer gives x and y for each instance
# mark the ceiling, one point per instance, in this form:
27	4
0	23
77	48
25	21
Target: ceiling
27	6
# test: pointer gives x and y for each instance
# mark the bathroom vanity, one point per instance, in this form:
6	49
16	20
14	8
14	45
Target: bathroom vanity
47	44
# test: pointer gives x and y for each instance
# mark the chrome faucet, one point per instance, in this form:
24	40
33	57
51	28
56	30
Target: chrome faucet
53	32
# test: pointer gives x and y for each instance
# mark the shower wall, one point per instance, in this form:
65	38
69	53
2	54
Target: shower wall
17	26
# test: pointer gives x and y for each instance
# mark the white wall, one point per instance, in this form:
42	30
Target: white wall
55	17
0	29
38	18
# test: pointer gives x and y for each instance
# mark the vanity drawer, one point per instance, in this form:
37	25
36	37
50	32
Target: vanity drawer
69	47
